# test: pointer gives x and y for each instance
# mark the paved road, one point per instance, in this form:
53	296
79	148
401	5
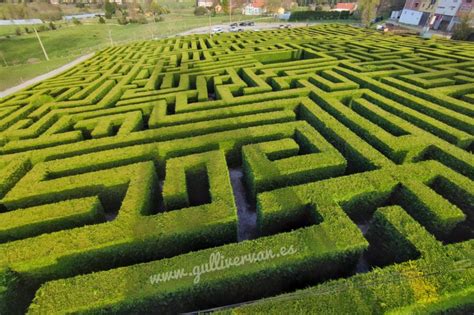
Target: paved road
258	26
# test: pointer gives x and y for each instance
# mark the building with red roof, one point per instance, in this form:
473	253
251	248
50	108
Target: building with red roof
346	6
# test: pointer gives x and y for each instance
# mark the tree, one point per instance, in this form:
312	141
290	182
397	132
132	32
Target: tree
226	6
273	5
109	9
133	9
157	9
368	10
463	29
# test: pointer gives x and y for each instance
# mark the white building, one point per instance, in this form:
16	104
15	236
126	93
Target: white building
205	3
435	14
411	17
251	10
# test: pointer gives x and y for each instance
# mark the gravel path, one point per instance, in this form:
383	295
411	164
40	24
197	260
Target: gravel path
44	76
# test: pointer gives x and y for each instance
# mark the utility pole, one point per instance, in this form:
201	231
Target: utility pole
210	29
230	11
4	60
110	37
41	44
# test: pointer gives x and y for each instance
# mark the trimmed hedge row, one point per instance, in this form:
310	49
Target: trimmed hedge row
333	237
129	289
23	223
319	15
293	107
267	165
432	282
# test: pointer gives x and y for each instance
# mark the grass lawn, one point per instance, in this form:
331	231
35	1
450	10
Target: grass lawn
14	75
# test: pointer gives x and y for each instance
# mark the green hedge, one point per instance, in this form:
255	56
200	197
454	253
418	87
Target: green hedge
319	15
267	165
129	289
435	282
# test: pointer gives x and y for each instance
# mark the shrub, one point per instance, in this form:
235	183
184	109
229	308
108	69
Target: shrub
200	11
76	21
122	20
101	20
42	28
140	19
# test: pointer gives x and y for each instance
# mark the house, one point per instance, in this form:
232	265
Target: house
205	3
345	6
435	14
256	7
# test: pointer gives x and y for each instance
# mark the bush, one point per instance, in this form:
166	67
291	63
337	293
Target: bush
18	31
76	21
52	26
199	11
101	20
140	19
122	20
42	28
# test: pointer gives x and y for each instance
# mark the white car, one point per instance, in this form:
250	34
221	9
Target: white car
217	30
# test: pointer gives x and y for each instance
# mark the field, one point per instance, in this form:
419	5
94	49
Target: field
325	169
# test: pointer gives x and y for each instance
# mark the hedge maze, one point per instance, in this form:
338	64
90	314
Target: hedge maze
353	148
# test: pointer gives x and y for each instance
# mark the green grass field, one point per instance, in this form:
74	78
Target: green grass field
14	75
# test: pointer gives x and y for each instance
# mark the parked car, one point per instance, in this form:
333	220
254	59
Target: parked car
243	24
377	19
251	23
234	25
217	30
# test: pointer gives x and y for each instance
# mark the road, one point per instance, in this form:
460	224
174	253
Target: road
258	26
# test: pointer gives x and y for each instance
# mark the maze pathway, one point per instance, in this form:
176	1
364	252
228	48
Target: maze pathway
324	169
